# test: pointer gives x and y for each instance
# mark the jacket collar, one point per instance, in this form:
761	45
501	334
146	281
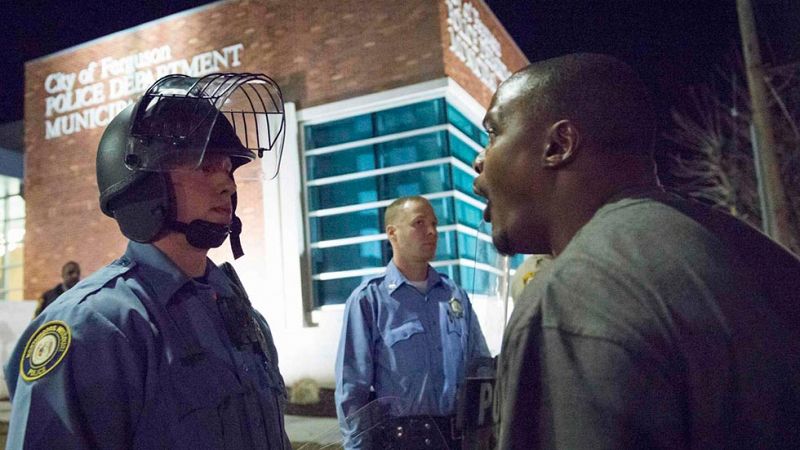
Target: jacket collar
162	277
394	278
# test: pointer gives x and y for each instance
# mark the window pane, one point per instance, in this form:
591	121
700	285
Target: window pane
461	150
447	247
4	180
484	141
470	246
477	281
337	163
469	215
332	292
340	131
452	272
16	207
347	257
14	256
15	231
463	182
359	223
14	278
413	149
426	180
464	125
443	208
352	192
14	186
411	117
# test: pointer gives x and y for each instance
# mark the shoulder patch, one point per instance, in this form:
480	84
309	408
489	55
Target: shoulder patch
45	350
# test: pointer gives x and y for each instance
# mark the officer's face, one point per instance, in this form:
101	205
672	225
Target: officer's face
413	235
205	193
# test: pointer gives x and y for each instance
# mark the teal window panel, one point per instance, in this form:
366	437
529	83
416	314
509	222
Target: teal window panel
464	125
339	131
472	248
356	159
425	180
462	181
484	140
333	292
351	192
476	281
453	271
413	149
411	117
339	226
347	257
461	150
447	247
443	208
469	215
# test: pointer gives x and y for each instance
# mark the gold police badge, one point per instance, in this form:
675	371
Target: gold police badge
456	309
44	350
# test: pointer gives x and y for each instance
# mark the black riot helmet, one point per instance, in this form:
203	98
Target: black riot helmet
173	126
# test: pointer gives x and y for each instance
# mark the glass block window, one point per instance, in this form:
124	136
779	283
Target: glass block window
356	166
12	234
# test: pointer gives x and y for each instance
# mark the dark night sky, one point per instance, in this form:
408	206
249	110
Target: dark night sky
672	43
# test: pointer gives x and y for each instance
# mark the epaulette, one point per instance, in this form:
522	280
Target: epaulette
374	280
101	278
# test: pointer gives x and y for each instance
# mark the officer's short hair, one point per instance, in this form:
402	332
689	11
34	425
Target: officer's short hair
393	210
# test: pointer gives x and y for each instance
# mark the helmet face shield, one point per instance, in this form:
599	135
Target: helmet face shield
180	119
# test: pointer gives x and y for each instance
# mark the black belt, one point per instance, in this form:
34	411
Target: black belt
420	432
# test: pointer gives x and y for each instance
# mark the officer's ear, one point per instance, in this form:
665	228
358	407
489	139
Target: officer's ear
391	232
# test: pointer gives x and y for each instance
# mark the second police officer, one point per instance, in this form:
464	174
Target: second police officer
411	336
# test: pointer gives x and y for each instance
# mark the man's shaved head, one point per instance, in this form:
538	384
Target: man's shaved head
395	209
565	135
601	94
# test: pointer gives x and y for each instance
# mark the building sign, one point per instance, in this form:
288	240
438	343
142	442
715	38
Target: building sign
93	96
474	44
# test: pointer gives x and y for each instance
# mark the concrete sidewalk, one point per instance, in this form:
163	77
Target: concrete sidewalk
308	433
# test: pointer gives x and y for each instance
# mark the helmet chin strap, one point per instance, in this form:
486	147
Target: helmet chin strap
205	235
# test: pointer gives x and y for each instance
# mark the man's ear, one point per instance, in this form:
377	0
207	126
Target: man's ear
390	232
562	144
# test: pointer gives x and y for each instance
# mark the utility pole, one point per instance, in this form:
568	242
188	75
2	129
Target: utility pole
774	210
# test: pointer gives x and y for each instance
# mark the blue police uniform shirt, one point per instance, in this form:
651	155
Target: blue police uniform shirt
137	356
406	344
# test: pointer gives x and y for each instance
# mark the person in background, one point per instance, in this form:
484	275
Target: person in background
661	322
410	333
70	275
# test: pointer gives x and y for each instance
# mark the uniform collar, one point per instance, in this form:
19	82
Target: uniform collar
159	272
394	278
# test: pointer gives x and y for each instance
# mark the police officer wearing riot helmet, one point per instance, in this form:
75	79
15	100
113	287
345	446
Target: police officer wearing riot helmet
410	334
161	348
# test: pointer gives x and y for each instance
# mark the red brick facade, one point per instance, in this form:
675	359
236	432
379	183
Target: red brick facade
318	50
